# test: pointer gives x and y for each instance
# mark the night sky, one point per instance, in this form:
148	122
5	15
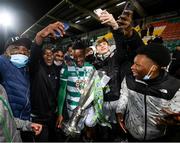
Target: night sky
25	13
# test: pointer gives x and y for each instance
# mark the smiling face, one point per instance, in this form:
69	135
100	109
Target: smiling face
102	48
79	57
142	66
48	57
59	56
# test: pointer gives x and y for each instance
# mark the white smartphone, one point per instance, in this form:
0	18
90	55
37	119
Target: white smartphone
98	11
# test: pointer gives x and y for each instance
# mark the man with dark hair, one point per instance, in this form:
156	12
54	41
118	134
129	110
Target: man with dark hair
145	93
73	80
44	91
58	56
45	84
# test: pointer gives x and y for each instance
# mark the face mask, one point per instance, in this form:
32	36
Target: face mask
71	57
58	63
19	60
148	76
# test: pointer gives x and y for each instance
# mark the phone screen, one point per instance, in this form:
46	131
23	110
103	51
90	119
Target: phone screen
98	11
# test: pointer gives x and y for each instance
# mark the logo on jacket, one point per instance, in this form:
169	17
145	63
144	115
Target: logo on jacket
163	90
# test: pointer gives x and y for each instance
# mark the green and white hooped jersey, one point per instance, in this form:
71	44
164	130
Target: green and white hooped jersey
72	74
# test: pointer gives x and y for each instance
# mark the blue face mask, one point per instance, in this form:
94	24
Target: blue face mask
148	76
19	60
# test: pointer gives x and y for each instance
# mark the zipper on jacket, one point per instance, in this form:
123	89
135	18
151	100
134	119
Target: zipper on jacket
145	108
26	102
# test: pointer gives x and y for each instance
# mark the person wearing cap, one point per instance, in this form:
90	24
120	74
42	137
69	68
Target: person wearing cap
145	93
9	126
14	75
15	79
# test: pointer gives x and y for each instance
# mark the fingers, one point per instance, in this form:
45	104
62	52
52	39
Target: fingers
59	121
105	21
50	31
105	17
58	124
175	116
165	121
167	110
123	127
37	128
55	27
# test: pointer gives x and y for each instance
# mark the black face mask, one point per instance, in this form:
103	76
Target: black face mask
90	58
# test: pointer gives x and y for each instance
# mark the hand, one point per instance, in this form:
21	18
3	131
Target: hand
49	31
171	118
59	121
121	122
37	128
124	21
107	18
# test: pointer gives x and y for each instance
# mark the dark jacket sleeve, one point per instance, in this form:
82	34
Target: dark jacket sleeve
35	56
126	47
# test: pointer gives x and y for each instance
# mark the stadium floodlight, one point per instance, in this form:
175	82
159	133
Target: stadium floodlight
6	19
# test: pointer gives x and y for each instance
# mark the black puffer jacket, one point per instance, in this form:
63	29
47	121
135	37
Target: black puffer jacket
44	86
118	62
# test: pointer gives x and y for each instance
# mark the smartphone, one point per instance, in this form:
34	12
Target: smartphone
66	27
98	11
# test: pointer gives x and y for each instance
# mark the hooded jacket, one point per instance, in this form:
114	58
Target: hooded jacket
117	62
142	102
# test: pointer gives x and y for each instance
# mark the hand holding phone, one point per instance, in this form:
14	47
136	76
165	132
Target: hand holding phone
98	11
66	27
125	19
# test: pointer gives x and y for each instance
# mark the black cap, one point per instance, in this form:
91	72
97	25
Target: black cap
19	41
156	52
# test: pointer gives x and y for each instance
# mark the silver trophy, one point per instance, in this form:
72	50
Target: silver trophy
71	127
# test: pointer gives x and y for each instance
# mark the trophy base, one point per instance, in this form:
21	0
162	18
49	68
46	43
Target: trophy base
71	131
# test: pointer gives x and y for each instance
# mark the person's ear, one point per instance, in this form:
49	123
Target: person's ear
154	68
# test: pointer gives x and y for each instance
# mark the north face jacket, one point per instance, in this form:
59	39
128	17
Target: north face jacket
142	102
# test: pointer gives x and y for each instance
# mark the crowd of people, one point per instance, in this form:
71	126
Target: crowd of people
41	87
